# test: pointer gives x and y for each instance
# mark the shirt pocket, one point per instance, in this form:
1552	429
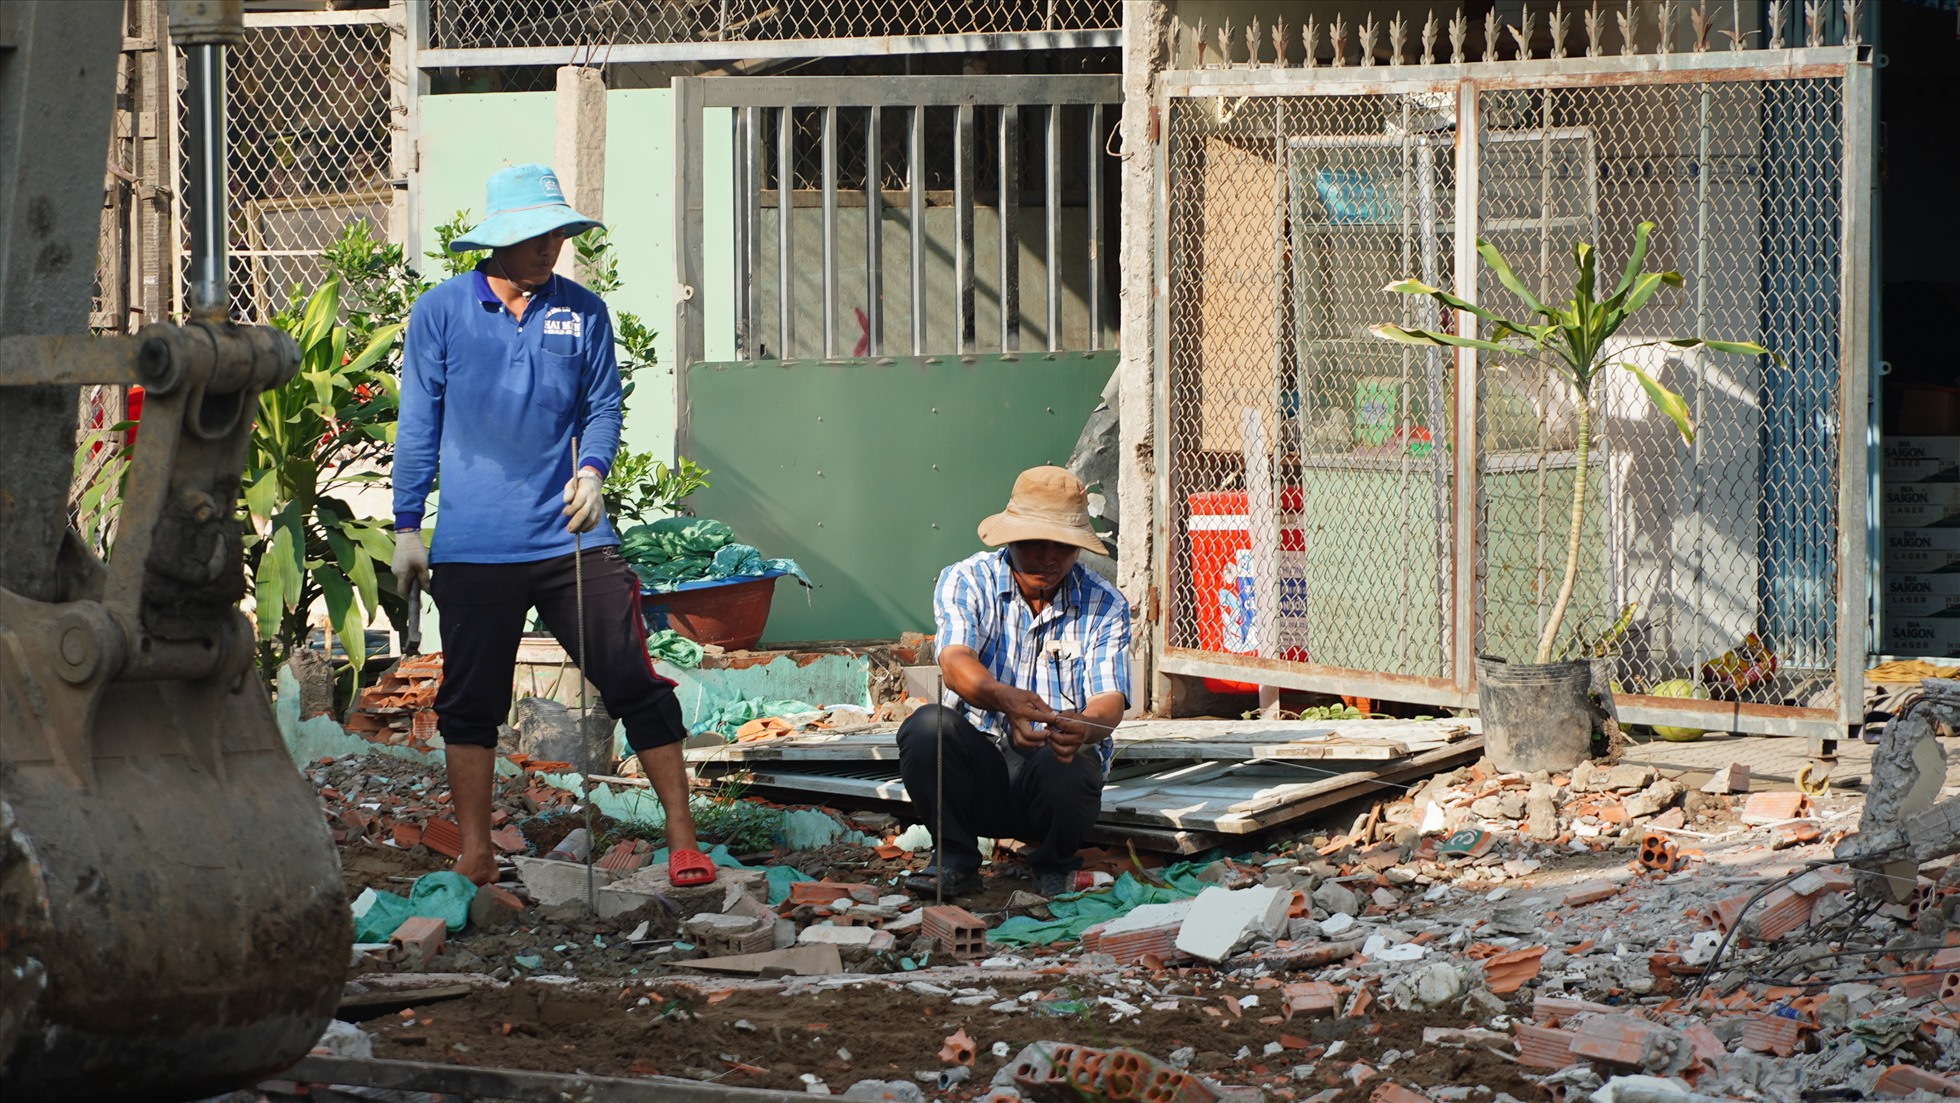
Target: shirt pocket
555	378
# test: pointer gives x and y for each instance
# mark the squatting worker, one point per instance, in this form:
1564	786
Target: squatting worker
1034	651
504	367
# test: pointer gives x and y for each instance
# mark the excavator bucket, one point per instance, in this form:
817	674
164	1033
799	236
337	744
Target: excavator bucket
172	923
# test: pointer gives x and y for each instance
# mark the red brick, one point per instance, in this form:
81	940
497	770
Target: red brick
418	939
829	892
1555	1009
1766	808
1506	973
1619	1039
957	931
1312	996
1771	1034
1390	1092
443	837
1902	1080
1544	1047
1590	893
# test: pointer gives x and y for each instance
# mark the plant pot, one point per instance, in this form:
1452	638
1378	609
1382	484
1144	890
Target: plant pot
1536	716
729	613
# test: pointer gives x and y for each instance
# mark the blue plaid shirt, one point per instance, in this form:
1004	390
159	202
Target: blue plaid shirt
1072	650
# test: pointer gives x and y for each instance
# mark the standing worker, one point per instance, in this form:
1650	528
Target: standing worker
505	367
1034	650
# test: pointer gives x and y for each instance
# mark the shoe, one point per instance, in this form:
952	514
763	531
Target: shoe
687	868
1053	882
926	882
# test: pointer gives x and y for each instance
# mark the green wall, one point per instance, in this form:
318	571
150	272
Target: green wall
874	474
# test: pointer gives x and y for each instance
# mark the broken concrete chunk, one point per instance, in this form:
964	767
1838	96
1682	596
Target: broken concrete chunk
824	934
1733	778
1655	798
1222	920
1431	986
1626	777
1336	899
1541	811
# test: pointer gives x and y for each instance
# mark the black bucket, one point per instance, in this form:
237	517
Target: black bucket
1536	716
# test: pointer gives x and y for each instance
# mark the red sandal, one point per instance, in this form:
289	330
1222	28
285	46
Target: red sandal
686	868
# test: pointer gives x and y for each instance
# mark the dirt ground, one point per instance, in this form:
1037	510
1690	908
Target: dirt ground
759	1038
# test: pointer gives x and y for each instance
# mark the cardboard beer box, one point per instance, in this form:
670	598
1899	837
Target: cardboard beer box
1933	638
1921	551
1922	459
1920	505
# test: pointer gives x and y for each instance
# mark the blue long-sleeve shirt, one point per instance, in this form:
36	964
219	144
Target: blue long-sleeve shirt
490	403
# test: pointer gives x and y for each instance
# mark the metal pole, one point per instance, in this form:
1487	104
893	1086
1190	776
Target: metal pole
751	216
874	228
1009	200
1465	526
785	188
963	228
210	289
740	121
829	232
1051	179
915	183
1095	224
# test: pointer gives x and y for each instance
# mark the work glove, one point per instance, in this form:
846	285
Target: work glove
583	502
411	560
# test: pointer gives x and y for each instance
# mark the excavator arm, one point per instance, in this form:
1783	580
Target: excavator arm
172	923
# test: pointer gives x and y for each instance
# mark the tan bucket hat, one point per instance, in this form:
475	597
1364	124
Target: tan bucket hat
1048	503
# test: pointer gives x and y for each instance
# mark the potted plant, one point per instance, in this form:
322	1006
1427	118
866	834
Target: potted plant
1538	715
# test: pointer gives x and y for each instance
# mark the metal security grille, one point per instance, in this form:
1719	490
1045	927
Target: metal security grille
312	144
928	252
490	24
1346	514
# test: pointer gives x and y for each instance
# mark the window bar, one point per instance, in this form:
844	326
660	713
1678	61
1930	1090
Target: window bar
874	226
915	183
830	231
1009	200
750	215
1094	291
963	228
739	122
1051	179
785	186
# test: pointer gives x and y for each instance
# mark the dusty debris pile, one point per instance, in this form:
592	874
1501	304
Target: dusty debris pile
1612	934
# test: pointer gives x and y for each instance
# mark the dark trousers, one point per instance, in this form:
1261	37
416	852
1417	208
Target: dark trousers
484	607
1046	802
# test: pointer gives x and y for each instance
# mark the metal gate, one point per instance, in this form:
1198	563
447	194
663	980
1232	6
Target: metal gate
1343	514
921	199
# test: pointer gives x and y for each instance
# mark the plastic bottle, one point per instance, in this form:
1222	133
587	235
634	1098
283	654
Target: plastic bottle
573	847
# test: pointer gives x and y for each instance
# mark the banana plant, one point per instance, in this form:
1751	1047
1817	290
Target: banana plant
327	431
1574	340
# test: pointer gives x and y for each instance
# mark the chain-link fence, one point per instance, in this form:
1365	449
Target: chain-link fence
1317	505
491	24
310	134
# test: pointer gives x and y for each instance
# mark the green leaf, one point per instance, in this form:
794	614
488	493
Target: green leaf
262	496
342	615
321	310
1634	259
1417	287
354	564
278	585
1666	401
1507	277
1739	348
1644	287
377	347
1424	337
1582	292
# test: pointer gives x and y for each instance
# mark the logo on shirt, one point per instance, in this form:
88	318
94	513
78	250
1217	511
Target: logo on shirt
563	321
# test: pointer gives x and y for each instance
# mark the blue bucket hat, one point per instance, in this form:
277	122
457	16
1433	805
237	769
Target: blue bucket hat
524	201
